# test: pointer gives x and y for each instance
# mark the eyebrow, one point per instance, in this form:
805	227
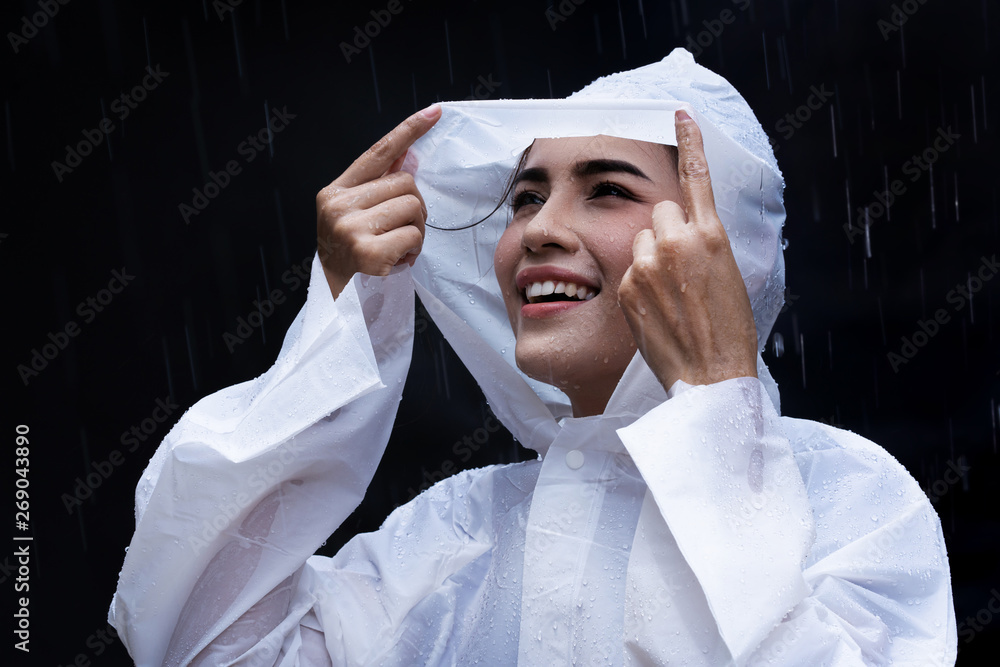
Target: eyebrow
581	169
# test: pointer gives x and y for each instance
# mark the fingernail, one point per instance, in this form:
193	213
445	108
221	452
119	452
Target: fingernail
431	111
682	115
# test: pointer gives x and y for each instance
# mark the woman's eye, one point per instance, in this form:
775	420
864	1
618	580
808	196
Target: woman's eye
610	190
525	198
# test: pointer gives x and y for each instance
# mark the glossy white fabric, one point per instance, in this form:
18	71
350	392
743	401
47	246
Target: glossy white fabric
697	527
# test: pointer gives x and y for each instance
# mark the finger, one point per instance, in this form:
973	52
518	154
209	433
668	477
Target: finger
692	170
397	164
668	215
389	249
643	246
373	193
380	157
410	163
392	214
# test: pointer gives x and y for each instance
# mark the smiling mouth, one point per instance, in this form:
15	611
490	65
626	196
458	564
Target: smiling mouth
549	291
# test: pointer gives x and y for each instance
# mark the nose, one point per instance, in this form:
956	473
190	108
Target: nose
551	228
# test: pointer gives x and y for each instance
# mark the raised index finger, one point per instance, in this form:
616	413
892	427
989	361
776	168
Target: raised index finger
692	170
376	160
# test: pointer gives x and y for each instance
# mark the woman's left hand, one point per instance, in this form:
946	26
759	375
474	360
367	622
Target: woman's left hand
683	296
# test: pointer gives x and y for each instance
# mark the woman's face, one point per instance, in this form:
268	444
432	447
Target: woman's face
577	205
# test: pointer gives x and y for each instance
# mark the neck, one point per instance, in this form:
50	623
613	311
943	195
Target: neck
592	399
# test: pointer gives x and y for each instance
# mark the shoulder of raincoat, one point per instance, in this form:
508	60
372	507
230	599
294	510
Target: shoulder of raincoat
695	526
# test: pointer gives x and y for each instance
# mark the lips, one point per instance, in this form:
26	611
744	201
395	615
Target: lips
535	291
548	290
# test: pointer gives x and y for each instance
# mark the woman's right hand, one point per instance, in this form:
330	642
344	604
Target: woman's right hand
371	217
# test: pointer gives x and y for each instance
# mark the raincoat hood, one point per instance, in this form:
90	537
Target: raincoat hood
461	167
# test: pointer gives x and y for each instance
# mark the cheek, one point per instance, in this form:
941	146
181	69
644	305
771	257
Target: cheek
504	262
616	251
503	255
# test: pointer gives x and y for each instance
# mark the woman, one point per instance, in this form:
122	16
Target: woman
673	515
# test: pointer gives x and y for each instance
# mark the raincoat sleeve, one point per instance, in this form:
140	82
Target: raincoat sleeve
812	545
252	480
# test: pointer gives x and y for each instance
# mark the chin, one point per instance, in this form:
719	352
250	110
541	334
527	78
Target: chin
556	370
568	364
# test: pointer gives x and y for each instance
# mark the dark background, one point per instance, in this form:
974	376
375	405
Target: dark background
162	336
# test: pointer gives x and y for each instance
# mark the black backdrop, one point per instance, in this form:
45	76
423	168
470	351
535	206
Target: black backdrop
880	95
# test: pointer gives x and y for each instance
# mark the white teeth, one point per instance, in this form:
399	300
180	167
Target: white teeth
534	290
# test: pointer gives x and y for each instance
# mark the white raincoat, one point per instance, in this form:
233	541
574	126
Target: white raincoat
695	527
